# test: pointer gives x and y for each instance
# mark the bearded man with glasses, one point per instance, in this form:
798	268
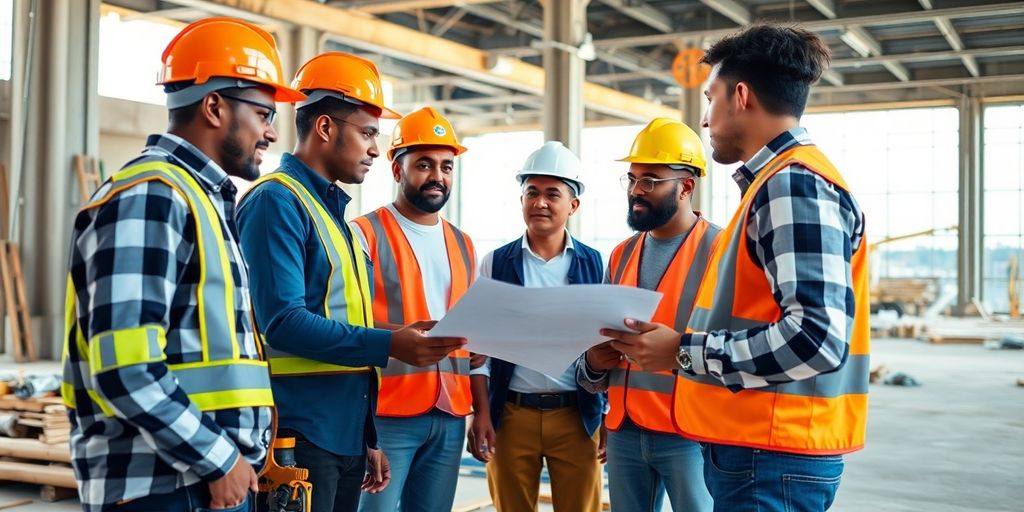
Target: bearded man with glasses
646	457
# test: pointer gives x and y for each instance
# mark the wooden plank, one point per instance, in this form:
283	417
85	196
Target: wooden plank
957	340
15	503
28	344
7	281
50	494
34	450
57	476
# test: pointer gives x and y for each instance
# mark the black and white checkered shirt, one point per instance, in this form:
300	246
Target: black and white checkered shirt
802	231
134	261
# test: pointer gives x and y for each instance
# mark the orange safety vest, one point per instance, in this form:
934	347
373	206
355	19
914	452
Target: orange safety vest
399	298
646	397
823	415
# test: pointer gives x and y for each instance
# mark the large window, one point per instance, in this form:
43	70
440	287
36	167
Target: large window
1004	194
490	208
130	57
604	206
902	166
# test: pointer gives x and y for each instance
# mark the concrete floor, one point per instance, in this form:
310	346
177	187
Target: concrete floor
955	444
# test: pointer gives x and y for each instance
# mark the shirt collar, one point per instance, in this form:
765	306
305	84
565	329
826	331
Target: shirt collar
569	246
208	173
746	173
312	180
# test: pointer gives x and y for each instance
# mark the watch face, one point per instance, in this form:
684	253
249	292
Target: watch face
684	359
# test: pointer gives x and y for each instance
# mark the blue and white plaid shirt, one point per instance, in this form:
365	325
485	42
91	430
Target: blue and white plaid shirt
134	261
802	232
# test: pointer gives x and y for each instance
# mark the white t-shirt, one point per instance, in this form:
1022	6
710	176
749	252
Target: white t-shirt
428	245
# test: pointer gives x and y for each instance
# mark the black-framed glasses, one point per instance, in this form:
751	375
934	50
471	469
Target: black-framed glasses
268	117
646	183
369	132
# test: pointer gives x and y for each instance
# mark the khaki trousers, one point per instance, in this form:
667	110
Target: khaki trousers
529	437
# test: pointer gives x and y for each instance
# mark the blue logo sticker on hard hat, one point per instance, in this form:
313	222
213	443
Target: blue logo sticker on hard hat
439	130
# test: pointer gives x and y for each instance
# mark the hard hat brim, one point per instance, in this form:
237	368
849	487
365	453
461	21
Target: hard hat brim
283	94
523	175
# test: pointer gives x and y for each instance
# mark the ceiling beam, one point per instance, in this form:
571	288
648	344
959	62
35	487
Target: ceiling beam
538	31
484	101
998	51
827	8
936	82
897	18
862	42
732	9
389	6
642	12
372	34
447	22
927	4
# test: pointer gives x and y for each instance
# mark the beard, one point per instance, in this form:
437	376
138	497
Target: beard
424	203
656	215
239	162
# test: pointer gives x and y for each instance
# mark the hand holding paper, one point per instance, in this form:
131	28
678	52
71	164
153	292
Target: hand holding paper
544	329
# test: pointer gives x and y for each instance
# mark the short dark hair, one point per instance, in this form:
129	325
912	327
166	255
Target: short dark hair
306	116
779	62
183	115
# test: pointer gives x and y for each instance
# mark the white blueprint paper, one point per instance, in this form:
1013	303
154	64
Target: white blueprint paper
543	329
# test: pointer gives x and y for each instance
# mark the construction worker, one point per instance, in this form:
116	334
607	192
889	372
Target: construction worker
668	254
775	356
311	287
170	404
540	418
422	265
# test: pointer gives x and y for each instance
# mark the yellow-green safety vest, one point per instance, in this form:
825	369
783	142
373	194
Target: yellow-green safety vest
348	287
222	379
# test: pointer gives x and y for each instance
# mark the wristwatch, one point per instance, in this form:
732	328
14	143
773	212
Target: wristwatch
684	360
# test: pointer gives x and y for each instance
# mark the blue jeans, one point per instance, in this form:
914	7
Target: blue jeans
425	452
194	498
751	480
643	465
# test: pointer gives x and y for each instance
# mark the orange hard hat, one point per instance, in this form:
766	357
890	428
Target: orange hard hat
348	76
226	48
424	127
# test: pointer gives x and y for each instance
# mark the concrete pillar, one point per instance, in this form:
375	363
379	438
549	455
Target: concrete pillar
969	261
693	104
296	45
565	21
62	120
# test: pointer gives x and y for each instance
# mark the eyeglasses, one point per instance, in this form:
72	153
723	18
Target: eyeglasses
369	133
268	117
646	183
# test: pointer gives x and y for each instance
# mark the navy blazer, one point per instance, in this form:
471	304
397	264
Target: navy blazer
586	268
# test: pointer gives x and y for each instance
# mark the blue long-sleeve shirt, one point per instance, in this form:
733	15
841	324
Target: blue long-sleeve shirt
289	272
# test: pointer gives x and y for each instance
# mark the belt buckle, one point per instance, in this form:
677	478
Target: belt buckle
549	401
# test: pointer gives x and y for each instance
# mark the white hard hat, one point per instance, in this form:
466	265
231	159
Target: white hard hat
553	159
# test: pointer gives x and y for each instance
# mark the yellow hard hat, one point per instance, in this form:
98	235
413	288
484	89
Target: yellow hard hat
670	142
424	127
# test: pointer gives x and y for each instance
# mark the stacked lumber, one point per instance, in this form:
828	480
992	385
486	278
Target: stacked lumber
971	330
44	418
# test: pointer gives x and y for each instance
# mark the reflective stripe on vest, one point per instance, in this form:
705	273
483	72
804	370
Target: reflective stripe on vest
822	415
646	397
347	298
222	379
399	298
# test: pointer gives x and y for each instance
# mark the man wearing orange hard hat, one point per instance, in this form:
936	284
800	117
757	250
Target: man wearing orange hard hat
170	403
311	284
422	265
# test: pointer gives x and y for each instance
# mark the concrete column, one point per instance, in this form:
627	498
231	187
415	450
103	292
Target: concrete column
693	104
63	120
296	45
969	261
565	21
